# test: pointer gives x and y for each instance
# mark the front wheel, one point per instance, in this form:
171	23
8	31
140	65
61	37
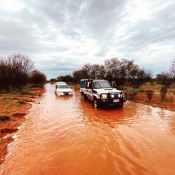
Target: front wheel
121	104
84	96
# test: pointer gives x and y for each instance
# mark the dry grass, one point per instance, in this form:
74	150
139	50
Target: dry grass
167	103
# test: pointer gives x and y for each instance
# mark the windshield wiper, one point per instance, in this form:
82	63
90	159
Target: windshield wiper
100	85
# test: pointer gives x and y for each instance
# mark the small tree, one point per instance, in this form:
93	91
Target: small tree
149	94
79	74
172	69
5	74
20	67
164	78
66	78
124	71
52	80
38	78
163	92
15	71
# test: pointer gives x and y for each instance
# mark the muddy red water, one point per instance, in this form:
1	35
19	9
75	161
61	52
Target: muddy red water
67	136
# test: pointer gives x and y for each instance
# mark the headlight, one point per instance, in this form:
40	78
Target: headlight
120	95
112	96
104	96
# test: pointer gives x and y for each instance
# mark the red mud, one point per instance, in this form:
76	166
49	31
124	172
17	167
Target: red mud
15	106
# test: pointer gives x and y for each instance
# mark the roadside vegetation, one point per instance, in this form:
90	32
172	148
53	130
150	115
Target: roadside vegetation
17	72
138	84
20	83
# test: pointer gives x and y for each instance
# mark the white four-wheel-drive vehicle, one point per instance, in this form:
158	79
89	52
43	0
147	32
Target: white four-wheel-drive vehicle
62	88
101	93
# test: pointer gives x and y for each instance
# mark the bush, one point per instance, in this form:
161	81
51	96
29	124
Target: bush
172	69
14	72
131	93
25	91
149	94
124	71
5	75
65	78
38	78
21	67
163	92
164	79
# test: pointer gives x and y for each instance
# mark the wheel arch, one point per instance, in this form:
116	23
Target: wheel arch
95	97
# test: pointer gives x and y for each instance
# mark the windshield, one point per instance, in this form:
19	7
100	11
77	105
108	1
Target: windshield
63	86
101	84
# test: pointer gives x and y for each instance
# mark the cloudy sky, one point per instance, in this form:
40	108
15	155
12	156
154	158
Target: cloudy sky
62	35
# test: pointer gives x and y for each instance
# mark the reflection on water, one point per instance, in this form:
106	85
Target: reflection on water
67	136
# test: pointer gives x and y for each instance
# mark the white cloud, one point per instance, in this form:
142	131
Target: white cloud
11	5
61	36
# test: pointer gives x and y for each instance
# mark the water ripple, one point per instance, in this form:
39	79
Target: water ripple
66	135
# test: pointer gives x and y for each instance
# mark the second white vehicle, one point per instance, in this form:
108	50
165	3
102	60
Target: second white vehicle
63	89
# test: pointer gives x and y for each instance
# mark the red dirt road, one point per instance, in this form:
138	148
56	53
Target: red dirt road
67	136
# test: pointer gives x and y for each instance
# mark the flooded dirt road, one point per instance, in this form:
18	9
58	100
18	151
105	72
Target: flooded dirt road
67	136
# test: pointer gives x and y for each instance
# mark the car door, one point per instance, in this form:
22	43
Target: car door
89	90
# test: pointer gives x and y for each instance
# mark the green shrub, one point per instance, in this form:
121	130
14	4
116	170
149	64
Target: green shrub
131	93
25	91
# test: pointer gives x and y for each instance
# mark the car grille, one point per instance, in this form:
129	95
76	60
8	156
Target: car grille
114	96
66	93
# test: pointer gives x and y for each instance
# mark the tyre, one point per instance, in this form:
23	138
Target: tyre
84	96
121	104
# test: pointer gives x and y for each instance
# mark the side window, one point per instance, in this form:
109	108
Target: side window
96	85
